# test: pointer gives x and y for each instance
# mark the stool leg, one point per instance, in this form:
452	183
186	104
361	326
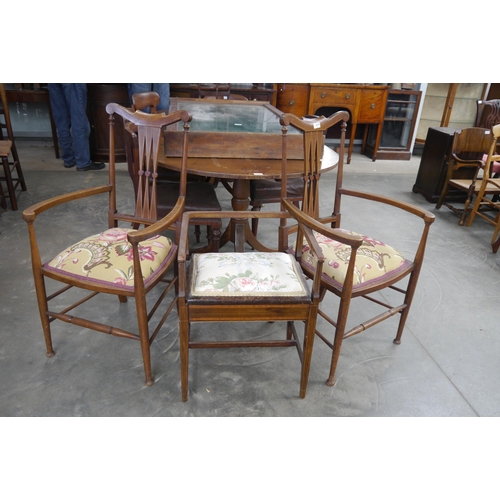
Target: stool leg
10	185
17	165
3	202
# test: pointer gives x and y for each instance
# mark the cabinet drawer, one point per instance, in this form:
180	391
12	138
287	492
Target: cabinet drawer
293	98
329	97
372	106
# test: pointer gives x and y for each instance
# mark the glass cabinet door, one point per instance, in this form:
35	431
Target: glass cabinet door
400	111
399	125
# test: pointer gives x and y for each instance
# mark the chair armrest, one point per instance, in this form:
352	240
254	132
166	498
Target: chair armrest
160	226
226	214
29	214
427	216
314	225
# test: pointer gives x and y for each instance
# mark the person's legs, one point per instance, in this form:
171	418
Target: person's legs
62	119
76	97
163	90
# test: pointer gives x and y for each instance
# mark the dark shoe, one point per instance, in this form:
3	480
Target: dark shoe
69	166
91	166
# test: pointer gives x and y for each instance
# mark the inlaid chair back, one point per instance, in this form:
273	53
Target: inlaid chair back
314	131
198	194
357	267
117	260
304	190
148	129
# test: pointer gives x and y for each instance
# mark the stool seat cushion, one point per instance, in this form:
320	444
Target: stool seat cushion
107	258
375	261
200	196
269	190
270	274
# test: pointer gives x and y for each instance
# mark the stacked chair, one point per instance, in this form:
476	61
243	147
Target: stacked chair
486	204
468	169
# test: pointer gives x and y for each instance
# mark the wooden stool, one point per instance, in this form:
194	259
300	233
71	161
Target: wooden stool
8	147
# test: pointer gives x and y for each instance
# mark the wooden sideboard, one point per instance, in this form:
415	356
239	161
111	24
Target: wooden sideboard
365	103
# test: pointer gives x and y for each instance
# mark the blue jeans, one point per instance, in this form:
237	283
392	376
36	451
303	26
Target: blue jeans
69	108
162	89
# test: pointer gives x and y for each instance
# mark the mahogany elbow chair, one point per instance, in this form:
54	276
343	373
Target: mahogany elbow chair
353	268
116	260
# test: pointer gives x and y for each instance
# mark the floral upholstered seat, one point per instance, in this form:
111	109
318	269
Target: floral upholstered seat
107	257
374	261
246	274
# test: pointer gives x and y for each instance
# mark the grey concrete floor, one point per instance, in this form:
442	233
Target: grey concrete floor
446	365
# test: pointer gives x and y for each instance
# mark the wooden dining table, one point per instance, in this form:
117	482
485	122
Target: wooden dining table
236	141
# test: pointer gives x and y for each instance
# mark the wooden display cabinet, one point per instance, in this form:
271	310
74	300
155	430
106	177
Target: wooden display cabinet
398	128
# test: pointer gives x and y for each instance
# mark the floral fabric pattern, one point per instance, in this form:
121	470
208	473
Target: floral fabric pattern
252	273
108	257
374	260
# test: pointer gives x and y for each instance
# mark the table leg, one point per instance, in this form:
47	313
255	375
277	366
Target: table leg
239	231
351	142
236	230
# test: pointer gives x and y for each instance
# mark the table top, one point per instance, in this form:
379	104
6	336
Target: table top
245	168
220	115
235	140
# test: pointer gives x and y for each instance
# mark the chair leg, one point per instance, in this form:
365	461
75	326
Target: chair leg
215	234
337	344
255	222
495	244
41	296
339	337
3	198
466	207
184	349
410	292
440	202
140	301
309	334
